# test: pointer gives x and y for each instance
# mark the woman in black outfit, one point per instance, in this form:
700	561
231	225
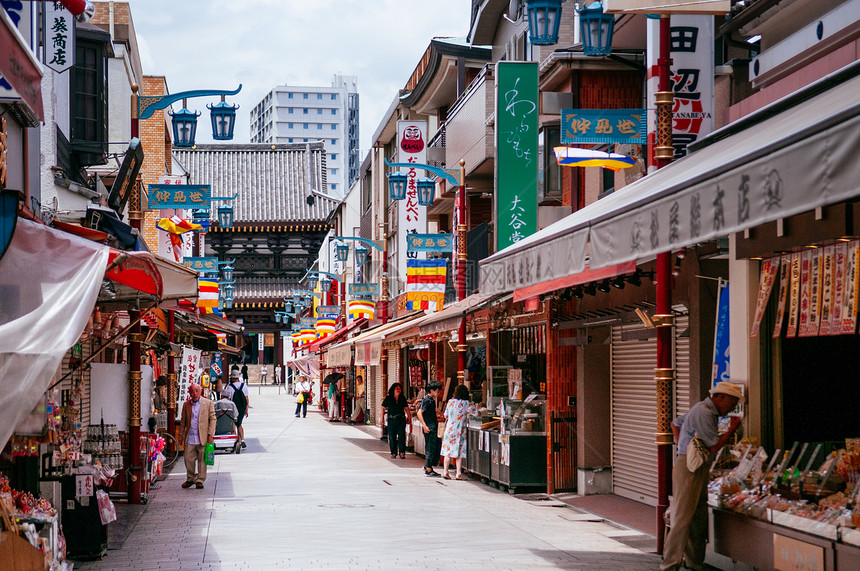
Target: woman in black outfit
397	407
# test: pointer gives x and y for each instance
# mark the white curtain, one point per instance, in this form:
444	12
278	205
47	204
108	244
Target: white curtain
49	283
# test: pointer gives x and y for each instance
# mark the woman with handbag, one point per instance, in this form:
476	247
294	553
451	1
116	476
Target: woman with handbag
303	389
399	415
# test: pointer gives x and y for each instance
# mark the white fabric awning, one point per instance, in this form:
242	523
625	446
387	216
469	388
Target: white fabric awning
792	156
49	283
449	318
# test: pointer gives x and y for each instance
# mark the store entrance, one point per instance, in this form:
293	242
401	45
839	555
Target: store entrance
820	398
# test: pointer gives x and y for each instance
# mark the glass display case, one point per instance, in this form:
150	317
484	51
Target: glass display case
526	416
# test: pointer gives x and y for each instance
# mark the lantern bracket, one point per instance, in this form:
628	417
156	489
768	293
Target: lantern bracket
147	105
451	175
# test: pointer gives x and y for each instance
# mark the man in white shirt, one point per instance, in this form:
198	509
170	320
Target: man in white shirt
263	373
278	374
197	429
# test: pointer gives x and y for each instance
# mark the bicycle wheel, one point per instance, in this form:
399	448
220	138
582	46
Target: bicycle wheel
170	443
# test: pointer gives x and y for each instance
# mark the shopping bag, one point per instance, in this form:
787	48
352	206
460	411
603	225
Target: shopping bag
209	454
107	511
301	398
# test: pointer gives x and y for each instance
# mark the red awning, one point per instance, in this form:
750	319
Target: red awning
151	274
340	333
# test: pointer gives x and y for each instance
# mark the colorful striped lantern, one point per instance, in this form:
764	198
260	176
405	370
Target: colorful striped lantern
325	326
307	335
425	284
361	308
207	298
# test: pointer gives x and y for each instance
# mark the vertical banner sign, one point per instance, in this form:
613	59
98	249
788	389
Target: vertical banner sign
59	37
794	300
411	217
517	144
720	371
784	280
215	368
827	271
21	15
840	256
806	258
852	281
769	267
692	78
189	372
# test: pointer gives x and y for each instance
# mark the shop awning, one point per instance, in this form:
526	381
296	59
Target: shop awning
790	157
308	365
449	318
145	272
337	335
398	330
49	283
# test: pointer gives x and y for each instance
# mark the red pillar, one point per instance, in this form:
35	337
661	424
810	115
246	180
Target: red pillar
171	378
462	229
135	337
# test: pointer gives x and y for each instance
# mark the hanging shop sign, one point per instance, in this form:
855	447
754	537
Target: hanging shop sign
189	372
59	38
120	190
20	69
430	242
203	265
369	289
328	310
692	71
162	196
598	126
715	7
339	356
722	357
411	217
517	144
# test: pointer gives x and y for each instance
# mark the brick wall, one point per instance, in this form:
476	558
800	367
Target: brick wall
155	139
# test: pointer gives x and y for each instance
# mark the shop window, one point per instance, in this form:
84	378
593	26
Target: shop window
549	181
89	128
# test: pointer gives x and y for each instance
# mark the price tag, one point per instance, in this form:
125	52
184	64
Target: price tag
84	485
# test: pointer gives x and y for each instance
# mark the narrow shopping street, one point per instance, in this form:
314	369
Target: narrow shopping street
308	494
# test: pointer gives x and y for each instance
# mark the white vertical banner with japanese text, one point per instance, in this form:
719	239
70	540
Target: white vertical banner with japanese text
691	76
411	218
190	370
59	33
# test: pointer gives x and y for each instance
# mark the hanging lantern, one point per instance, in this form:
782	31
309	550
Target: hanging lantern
544	18
184	126
228	303
341	251
228	291
596	29
277	317
199	216
223	117
361	254
426	191
227	272
312	280
288	307
225	216
325	283
397	185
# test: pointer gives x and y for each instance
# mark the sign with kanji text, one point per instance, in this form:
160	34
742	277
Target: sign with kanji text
363	289
328	309
411	216
517	144
59	37
430	242
163	196
190	371
598	126
84	485
308	323
208	264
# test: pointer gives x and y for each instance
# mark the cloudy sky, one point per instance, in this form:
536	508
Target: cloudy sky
218	44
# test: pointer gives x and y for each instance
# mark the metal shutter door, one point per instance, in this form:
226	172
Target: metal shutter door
374	394
634	416
682	365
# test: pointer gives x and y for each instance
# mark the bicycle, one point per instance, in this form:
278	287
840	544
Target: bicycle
170	443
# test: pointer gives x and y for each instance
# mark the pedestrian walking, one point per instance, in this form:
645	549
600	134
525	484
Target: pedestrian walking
237	391
430	426
263	373
689	531
197	429
333	405
396	407
278	374
245	373
454	439
303	391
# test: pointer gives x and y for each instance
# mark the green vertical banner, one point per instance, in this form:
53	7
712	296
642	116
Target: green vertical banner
517	151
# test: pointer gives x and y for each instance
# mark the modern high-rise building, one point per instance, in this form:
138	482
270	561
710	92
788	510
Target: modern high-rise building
301	114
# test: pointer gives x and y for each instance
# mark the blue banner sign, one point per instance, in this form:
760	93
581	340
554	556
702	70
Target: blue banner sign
595	126
328	309
308	323
162	196
296	327
355	290
721	337
430	242
203	265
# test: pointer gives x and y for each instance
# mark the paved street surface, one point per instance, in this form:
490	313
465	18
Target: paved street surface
307	494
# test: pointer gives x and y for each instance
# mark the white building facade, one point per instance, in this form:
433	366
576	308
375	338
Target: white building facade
303	114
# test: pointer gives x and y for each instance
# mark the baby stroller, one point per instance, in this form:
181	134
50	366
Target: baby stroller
225	429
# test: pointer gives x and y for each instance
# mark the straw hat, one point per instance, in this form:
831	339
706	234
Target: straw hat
727	388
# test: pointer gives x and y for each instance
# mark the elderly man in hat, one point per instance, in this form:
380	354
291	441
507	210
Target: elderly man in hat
686	539
197	429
